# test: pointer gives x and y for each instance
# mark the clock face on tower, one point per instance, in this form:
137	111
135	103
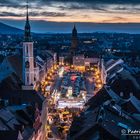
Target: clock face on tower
27	65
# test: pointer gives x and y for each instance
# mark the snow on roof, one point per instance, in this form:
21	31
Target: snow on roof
109	62
112	63
135	102
40	59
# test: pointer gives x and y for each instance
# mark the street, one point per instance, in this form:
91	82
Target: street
66	95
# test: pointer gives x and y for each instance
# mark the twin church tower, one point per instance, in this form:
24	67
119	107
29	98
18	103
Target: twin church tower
29	76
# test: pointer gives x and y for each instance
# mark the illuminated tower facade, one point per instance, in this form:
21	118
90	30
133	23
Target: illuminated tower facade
28	56
74	44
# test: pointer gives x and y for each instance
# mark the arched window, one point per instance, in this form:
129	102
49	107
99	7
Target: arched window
27	64
27	50
27	79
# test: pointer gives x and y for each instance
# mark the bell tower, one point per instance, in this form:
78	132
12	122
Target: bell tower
74	43
28	56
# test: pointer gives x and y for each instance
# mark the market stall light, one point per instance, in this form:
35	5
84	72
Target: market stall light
97	73
58	94
91	69
67	95
99	85
49	78
97	77
98	81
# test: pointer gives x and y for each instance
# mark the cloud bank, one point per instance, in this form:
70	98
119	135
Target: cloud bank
102	11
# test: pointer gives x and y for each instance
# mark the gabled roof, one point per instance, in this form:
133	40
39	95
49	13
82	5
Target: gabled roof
108	63
112	121
124	80
3	127
17	97
135	102
16	63
8	118
113	63
103	95
10	82
5	74
132	105
115	69
45	55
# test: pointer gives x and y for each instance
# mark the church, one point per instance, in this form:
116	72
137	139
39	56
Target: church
30	70
26	66
74	44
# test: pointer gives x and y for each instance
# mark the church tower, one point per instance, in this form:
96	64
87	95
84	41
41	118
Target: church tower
74	40
28	57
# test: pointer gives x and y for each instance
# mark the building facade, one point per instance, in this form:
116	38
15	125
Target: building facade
28	56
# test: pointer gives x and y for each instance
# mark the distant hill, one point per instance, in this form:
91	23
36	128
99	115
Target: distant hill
6	29
47	27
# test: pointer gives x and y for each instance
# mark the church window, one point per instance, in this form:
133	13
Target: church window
27	65
27	50
27	79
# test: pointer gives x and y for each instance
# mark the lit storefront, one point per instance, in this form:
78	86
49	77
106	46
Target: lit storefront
70	103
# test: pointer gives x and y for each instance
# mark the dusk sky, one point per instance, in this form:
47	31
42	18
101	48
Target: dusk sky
93	11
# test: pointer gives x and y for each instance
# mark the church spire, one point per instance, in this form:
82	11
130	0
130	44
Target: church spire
27	30
74	44
27	14
74	31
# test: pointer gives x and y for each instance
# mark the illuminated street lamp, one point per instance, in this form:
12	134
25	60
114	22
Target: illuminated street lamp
49	77
97	76
99	85
98	81
97	73
46	82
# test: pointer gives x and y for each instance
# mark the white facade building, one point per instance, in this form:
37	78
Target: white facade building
29	72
